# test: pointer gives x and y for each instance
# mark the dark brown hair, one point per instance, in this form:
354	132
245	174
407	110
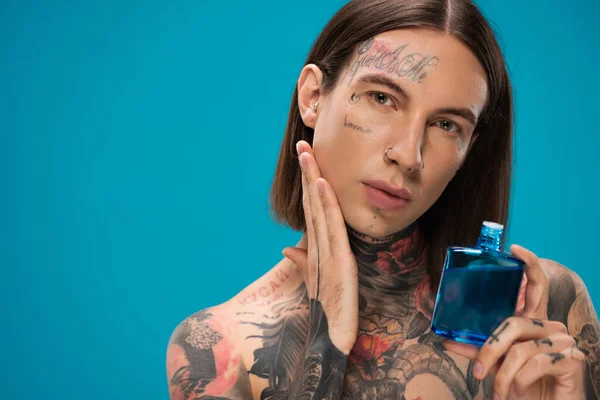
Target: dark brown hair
480	190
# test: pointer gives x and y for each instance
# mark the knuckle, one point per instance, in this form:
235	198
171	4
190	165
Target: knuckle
514	324
538	360
501	382
559	327
501	377
518	351
519	383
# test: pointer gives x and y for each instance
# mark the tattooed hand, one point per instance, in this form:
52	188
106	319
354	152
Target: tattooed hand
330	272
530	356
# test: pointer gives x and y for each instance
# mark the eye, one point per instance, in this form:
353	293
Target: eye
448	126
383	99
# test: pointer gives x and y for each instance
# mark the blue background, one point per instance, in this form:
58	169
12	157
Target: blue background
137	146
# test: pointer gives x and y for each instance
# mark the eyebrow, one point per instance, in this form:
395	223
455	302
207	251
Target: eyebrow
379	79
460	112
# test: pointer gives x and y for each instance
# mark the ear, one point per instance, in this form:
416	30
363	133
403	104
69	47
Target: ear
471	143
309	91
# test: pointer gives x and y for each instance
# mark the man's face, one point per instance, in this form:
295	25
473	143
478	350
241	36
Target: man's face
428	119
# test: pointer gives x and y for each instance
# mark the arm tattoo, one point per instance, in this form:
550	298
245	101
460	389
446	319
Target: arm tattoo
322	373
283	343
584	326
569	302
297	357
200	362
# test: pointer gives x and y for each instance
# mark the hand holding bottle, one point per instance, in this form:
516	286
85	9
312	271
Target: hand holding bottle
529	356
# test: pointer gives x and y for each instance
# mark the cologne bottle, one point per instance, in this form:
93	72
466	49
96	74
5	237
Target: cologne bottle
478	290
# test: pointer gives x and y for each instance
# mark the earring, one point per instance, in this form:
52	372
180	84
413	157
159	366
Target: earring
314	107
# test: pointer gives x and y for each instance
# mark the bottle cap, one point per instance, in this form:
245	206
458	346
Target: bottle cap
493	225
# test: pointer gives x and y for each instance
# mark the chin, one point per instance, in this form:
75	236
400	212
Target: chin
375	224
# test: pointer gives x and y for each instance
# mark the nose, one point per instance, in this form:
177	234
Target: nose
406	152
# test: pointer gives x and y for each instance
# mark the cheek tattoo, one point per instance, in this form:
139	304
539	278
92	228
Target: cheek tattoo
355	98
360	129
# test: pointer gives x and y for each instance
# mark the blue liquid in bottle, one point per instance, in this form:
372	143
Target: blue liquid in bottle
479	289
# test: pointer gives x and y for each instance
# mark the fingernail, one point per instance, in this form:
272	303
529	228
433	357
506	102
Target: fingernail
320	187
298	148
302	163
478	370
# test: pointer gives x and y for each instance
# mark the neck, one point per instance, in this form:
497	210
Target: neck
390	270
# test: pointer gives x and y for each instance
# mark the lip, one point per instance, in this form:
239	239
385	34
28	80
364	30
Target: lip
396	191
386	197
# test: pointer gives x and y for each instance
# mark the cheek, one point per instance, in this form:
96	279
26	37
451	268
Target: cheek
441	166
444	155
345	141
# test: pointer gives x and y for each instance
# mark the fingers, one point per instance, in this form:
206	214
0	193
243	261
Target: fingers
567	367
520	353
337	237
536	293
520	308
317	210
510	331
306	197
312	268
326	228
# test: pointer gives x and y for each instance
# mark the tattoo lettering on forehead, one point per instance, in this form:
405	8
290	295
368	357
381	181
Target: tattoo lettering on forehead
556	357
538	342
355	98
360	129
537	322
375	54
494	337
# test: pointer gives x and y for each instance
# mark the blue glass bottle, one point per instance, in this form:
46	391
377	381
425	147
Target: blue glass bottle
478	290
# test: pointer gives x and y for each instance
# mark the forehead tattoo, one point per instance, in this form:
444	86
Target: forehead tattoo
400	61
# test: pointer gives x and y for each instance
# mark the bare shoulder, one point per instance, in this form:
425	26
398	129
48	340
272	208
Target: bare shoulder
269	289
557	271
564	287
570	302
204	358
208	352
563	280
